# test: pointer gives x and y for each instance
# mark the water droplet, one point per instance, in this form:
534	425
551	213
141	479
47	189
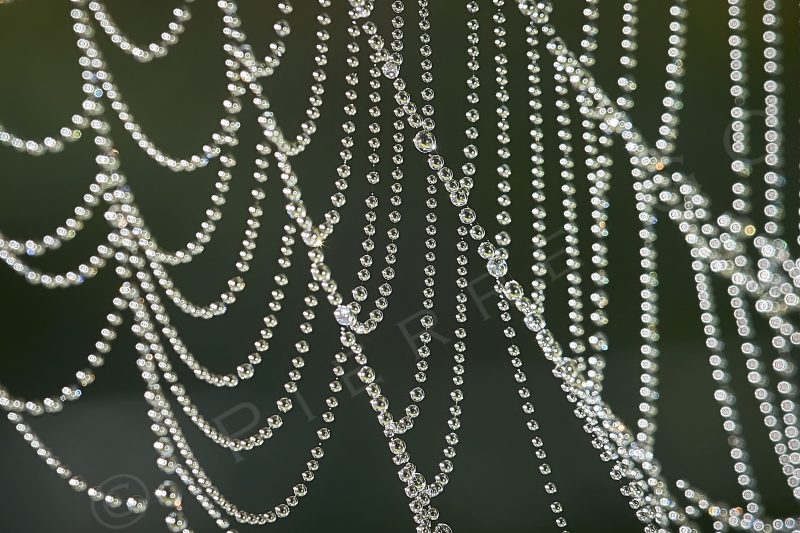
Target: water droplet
366	374
167	464
236	284
513	290
313	238
245	371
284	405
397	446
168	494
164	447
380	404
425	141
391	69
497	267
344	315
136	504
533	323
417	394
282	28
176	522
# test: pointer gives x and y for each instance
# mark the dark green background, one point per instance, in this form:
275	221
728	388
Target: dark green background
496	487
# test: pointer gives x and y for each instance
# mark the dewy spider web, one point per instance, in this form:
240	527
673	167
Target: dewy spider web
722	247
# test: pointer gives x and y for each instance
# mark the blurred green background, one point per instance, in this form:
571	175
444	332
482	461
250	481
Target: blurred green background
496	486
